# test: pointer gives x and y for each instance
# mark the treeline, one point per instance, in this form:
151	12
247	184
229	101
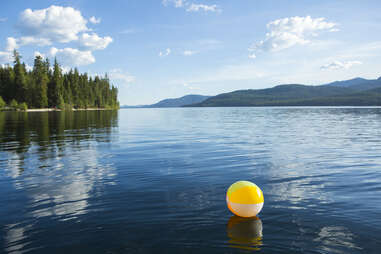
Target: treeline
298	95
44	87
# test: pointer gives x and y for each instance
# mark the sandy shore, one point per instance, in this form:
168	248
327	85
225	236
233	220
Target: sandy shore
41	109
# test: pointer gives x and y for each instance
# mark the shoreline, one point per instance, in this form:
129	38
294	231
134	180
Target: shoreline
54	109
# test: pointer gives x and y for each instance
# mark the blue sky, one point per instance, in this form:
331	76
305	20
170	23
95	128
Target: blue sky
154	50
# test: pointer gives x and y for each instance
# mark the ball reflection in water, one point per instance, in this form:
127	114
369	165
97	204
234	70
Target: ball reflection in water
245	233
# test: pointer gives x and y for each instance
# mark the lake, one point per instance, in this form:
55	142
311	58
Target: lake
154	180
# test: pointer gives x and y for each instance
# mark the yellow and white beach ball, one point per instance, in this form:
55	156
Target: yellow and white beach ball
244	199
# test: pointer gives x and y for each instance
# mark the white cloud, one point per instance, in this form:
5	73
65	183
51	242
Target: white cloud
55	23
95	20
14	43
191	7
93	41
11	44
165	53
28	67
5	57
64	69
58	24
72	57
26	40
36	53
119	75
176	3
337	65
202	7
3	19
252	56
288	32
189	52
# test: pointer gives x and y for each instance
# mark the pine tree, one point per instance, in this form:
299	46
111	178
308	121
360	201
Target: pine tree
43	87
55	89
40	75
7	88
20	81
2	103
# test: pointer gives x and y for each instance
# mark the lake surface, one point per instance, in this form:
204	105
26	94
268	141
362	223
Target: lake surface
154	180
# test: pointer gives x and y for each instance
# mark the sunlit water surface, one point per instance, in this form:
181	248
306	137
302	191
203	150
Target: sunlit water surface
154	180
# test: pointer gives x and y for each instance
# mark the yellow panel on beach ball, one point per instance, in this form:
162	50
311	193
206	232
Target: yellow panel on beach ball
244	199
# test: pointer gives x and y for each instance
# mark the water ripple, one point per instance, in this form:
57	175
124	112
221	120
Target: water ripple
154	180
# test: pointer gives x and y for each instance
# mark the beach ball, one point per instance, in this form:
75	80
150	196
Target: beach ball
244	199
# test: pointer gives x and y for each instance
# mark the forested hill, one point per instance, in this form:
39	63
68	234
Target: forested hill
178	102
355	92
358	84
174	102
44	87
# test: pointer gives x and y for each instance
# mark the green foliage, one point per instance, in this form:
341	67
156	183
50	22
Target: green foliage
2	103
7	88
13	104
60	103
41	87
55	88
23	106
297	95
40	75
68	107
20	81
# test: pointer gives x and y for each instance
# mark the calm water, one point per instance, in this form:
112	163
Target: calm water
154	180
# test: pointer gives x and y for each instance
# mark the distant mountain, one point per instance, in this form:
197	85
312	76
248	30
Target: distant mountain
358	84
176	102
355	92
348	83
179	102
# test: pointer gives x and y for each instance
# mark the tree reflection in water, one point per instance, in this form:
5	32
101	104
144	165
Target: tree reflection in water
56	160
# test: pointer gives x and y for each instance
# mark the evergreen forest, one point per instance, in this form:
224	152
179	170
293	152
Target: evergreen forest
46	86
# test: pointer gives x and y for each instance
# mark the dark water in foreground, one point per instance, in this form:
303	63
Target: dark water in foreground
154	180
